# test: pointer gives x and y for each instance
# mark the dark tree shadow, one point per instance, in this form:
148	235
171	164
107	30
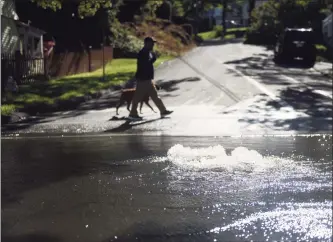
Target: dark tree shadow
129	125
216	42
171	85
150	231
30	164
298	94
317	109
262	66
30	238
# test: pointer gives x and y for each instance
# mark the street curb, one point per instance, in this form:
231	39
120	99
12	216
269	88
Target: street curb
25	113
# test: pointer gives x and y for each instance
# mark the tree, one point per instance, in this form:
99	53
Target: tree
252	5
272	17
86	8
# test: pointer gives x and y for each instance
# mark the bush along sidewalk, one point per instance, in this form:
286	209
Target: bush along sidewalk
324	54
68	92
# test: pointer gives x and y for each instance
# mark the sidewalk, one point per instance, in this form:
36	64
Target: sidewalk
325	68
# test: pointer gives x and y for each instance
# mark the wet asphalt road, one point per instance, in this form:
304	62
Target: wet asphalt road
214	90
79	176
141	188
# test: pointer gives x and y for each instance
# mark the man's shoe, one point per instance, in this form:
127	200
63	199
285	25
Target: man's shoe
166	112
134	117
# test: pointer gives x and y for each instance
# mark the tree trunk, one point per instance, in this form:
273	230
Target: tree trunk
252	4
224	13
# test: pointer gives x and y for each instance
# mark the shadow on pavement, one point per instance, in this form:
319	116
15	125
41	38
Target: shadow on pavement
30	238
171	85
317	109
265	71
263	65
150	231
128	125
297	92
34	163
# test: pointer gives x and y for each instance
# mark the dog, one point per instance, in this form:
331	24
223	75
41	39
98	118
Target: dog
127	96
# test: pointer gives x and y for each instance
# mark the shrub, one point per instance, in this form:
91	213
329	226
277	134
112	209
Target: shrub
218	29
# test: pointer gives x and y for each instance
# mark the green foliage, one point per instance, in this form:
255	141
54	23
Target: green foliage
122	38
218	29
177	8
86	8
273	16
150	7
52	4
89	8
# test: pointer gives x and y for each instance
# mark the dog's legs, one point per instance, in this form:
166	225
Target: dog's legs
147	103
141	104
121	102
128	105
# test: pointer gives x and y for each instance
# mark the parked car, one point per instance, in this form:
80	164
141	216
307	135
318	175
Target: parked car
296	43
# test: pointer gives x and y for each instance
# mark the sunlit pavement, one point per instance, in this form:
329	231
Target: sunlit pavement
246	156
218	90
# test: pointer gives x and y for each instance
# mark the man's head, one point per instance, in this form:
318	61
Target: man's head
149	43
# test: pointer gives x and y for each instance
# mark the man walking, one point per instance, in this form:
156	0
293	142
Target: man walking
144	77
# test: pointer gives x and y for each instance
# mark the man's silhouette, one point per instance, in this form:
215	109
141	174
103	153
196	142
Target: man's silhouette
144	77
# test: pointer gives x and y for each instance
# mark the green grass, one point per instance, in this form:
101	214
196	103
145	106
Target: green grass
230	36
116	72
321	47
237	29
8	109
208	35
213	34
322	53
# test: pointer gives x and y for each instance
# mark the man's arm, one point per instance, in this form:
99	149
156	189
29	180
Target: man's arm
154	57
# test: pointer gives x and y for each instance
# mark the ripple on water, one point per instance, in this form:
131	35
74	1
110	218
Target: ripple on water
304	223
245	187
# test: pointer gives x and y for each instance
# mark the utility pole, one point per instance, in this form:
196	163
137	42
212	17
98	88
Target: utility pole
103	54
170	10
196	5
224	13
103	45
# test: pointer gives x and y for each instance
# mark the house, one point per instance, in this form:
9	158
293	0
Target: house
239	13
22	49
328	30
16	35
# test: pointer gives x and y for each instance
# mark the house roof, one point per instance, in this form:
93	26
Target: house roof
31	28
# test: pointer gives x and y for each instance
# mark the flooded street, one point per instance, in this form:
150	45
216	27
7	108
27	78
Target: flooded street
157	188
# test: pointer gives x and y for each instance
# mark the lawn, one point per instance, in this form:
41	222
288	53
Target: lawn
48	93
216	33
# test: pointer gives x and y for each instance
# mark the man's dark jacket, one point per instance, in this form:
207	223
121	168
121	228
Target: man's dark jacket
145	65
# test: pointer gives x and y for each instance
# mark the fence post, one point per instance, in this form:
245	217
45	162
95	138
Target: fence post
46	71
18	67
89	58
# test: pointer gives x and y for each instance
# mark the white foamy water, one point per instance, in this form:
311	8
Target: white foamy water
215	157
